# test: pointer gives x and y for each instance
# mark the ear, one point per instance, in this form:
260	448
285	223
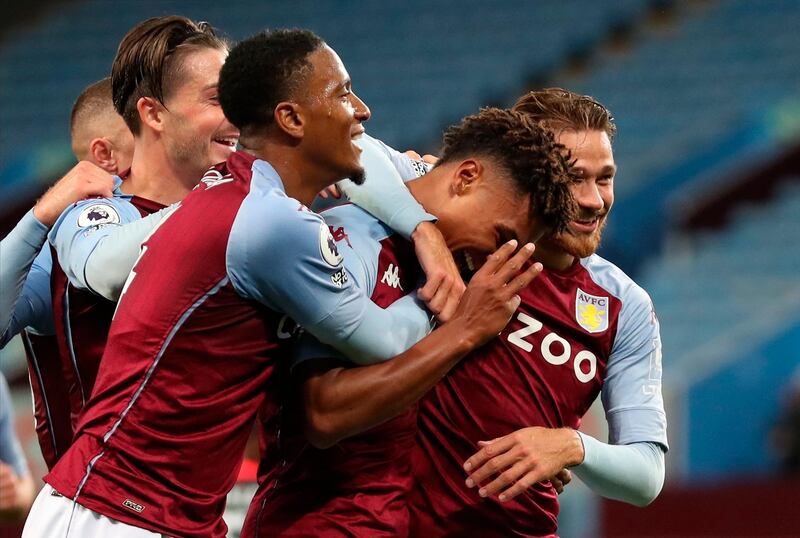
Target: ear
151	113
467	175
289	119
101	153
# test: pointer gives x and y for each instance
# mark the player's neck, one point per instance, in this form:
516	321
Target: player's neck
301	179
426	189
155	178
552	256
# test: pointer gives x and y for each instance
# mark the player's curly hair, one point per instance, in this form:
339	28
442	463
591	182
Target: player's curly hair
559	109
148	61
536	164
261	72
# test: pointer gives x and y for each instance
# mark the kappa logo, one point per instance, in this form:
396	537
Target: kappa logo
136	507
98	214
392	277
591	311
214	177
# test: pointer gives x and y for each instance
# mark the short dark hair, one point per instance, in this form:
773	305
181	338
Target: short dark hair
94	99
535	163
559	109
148	64
262	71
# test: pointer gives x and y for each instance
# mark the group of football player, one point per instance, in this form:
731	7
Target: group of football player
173	291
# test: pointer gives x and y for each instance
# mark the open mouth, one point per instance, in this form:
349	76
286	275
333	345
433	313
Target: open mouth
586	225
355	136
467	263
227	141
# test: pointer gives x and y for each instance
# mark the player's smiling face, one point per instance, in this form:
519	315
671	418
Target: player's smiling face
196	132
594	193
481	214
333	116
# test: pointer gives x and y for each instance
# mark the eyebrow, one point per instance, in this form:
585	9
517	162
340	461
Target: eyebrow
347	84
612	169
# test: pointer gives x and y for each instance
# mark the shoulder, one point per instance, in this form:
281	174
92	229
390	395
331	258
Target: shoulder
266	208
98	212
616	282
375	149
359	238
271	226
355	221
637	323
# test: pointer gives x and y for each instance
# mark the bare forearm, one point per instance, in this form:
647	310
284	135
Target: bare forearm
345	401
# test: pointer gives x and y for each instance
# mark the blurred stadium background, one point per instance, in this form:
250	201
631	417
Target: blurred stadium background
706	95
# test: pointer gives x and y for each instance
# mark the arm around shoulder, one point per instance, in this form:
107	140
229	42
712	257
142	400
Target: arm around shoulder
293	266
80	230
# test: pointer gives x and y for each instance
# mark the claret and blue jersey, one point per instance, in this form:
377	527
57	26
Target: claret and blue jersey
360	486
586	330
194	349
65	324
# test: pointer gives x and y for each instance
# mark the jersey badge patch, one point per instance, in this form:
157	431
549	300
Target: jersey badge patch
97	214
327	247
591	312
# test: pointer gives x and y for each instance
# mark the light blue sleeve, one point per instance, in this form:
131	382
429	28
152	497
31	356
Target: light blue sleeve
285	258
384	193
82	228
407	167
25	280
629	473
308	347
10	450
109	253
631	392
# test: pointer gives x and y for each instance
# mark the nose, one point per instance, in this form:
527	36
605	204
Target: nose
362	112
587	196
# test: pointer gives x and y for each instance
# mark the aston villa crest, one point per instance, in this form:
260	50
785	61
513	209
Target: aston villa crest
591	311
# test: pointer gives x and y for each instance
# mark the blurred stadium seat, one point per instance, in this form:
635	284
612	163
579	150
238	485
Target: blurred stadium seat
729	303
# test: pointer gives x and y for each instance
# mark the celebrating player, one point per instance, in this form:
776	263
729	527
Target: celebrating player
101	140
583	328
195	345
501	177
169	101
98	133
166	152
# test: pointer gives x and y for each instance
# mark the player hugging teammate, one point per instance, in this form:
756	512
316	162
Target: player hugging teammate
372	421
